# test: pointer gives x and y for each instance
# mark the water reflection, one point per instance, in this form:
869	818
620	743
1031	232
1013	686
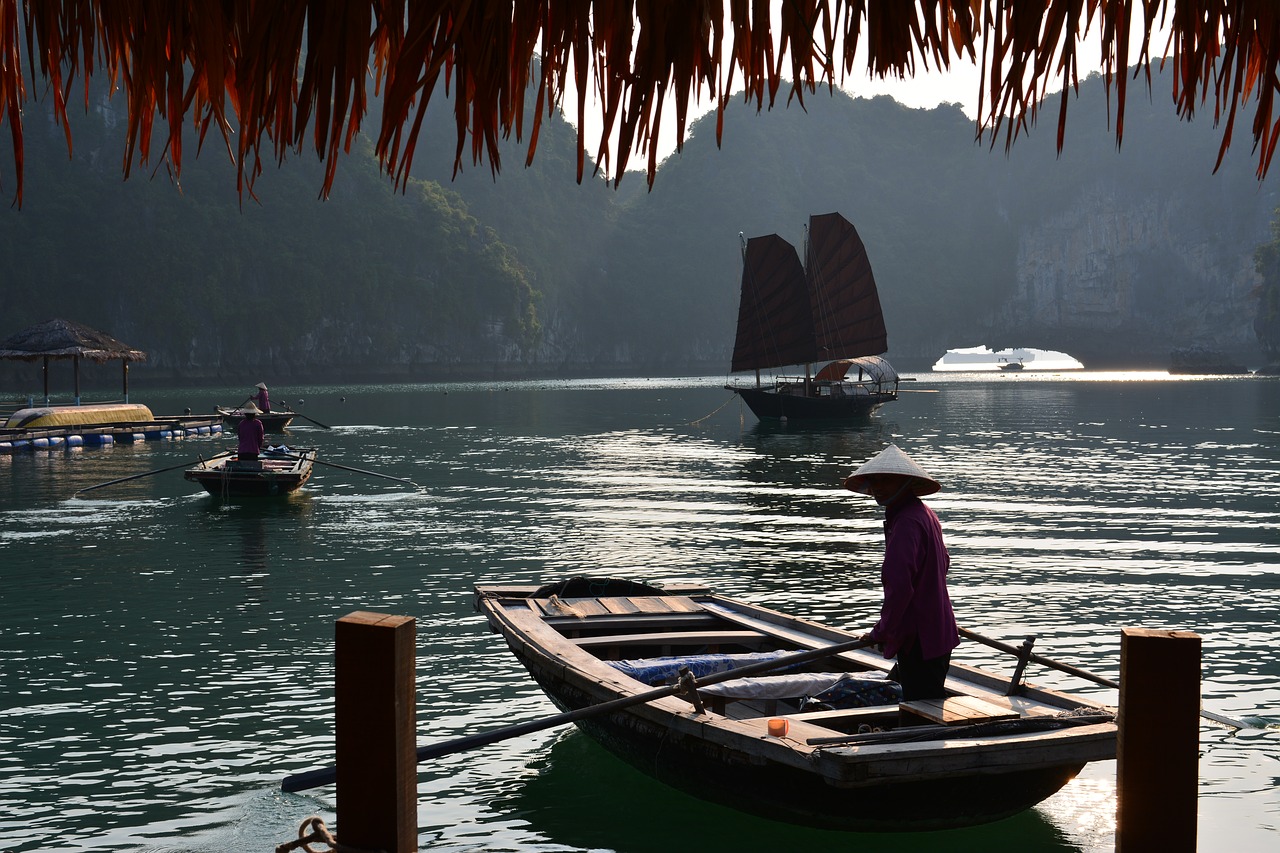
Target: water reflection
574	776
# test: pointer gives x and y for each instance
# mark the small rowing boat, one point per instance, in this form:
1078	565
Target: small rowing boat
276	471
273	421
759	716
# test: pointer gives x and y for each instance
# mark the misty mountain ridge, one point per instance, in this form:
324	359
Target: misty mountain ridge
1116	255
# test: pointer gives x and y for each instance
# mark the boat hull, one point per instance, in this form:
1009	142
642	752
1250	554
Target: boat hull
270	477
738	780
66	416
770	404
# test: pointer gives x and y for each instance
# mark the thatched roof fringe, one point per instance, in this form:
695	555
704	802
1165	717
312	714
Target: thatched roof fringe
66	339
288	73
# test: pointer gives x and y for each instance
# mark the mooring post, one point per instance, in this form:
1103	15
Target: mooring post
376	756
1158	754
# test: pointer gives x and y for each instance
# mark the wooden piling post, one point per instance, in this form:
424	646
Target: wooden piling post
1158	753
377	775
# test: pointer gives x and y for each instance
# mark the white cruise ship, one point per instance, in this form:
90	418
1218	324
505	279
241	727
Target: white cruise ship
1017	358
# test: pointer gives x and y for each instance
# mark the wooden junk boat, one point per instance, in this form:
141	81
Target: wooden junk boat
273	421
276	471
827	312
824	742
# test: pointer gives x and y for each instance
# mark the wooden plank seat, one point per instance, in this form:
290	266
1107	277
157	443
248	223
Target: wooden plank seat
839	717
956	711
846	720
674	638
656	622
587	608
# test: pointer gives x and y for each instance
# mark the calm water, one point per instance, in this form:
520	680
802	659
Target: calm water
166	659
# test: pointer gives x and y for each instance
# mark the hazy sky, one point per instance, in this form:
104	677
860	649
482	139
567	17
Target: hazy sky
925	90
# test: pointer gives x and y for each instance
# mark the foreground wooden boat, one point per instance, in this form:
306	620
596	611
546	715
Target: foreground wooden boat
826	744
273	473
273	421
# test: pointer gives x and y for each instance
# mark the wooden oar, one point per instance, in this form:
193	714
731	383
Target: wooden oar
313	420
149	473
323	776
1080	673
349	468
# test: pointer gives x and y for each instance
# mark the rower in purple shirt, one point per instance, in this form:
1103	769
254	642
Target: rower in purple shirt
250	433
917	624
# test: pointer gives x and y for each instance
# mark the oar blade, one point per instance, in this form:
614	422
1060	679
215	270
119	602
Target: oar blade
187	464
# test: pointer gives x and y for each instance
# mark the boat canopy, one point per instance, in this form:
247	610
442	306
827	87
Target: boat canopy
829	309
871	366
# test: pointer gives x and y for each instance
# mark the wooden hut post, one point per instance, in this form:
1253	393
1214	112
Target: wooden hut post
1159	740
75	365
46	380
376	754
124	368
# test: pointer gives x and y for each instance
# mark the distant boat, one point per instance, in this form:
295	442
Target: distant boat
1018	358
826	312
273	421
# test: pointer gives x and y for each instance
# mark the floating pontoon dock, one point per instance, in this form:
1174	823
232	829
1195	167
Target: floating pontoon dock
95	435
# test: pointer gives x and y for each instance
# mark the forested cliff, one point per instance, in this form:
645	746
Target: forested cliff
1116	256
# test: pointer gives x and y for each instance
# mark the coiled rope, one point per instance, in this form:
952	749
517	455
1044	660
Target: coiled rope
313	831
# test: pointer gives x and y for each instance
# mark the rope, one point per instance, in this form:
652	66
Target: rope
314	830
318	832
722	405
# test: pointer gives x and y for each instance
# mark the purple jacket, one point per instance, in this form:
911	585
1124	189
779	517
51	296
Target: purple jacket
914	577
251	433
264	402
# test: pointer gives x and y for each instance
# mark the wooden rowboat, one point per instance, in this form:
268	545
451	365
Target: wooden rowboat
273	421
827	743
275	472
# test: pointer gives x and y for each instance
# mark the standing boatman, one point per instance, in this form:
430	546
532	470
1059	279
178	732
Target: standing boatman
264	402
251	434
917	624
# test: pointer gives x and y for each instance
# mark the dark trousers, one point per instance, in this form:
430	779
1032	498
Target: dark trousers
920	678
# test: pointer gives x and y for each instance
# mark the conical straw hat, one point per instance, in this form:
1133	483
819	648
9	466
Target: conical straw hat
250	409
261	385
891	460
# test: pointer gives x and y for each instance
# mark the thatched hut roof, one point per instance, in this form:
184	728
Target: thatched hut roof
278	76
65	339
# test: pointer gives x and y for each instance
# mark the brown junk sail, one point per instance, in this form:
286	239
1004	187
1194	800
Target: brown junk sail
829	310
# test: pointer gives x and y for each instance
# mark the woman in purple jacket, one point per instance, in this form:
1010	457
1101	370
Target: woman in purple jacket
250	433
917	624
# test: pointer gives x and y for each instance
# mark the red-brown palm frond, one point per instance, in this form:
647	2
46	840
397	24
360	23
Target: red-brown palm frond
274	76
